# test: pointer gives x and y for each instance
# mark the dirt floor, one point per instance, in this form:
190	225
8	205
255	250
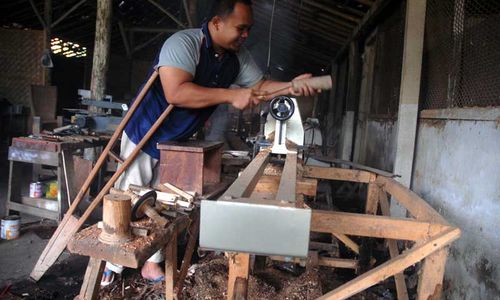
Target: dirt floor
207	277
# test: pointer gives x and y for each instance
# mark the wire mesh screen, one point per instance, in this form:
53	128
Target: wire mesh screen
20	52
461	54
389	54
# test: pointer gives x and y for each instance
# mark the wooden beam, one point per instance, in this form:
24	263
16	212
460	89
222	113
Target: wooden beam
393	266
124	39
340	263
162	9
39	17
152	29
372	197
288	182
67	13
373	226
239	267
347	241
399	278
245	183
371	14
139	47
333	11
187	12
337	174
417	207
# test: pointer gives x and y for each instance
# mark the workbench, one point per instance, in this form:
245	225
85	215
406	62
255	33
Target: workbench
134	253
26	151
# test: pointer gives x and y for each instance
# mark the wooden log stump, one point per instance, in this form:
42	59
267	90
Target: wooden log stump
116	216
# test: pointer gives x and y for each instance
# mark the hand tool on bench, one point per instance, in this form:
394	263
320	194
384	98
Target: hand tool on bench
70	224
143	205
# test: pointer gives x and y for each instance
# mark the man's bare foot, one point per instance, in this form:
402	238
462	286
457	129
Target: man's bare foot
152	271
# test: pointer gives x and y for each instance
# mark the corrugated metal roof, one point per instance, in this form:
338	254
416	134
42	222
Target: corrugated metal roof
306	35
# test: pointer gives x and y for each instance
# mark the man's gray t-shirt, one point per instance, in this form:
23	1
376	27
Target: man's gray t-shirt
182	50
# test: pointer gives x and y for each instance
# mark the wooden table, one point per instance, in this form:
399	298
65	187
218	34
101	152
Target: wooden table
134	253
38	152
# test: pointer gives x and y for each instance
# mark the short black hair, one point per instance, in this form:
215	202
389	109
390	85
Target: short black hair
223	8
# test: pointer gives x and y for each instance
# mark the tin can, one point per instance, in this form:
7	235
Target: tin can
36	189
9	228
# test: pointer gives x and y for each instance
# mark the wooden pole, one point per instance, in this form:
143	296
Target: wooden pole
116	215
101	51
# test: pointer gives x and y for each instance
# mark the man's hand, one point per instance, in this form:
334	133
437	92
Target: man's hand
244	98
304	90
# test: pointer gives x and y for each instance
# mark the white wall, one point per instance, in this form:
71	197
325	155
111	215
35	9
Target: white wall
457	170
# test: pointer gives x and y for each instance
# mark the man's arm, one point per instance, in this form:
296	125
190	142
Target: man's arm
267	88
181	91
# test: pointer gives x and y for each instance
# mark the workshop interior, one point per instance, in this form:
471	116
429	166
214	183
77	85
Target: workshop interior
382	184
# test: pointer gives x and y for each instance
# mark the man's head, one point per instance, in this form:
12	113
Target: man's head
231	22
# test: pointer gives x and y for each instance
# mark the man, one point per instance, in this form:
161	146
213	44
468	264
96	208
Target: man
196	68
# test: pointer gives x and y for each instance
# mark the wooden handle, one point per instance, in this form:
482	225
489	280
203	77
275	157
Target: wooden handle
317	83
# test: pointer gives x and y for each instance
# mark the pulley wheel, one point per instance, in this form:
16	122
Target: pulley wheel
281	108
148	198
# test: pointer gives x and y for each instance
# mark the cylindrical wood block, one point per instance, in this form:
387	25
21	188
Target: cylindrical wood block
116	216
318	83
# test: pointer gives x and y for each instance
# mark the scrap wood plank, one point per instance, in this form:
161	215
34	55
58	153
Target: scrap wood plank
337	174
373	226
399	278
393	266
179	191
417	206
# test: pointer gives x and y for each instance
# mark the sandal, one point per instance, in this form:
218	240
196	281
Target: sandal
106	274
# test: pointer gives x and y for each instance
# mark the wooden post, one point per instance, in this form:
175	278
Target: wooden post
239	267
90	285
188	254
409	96
101	51
240	289
171	266
399	278
116	215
